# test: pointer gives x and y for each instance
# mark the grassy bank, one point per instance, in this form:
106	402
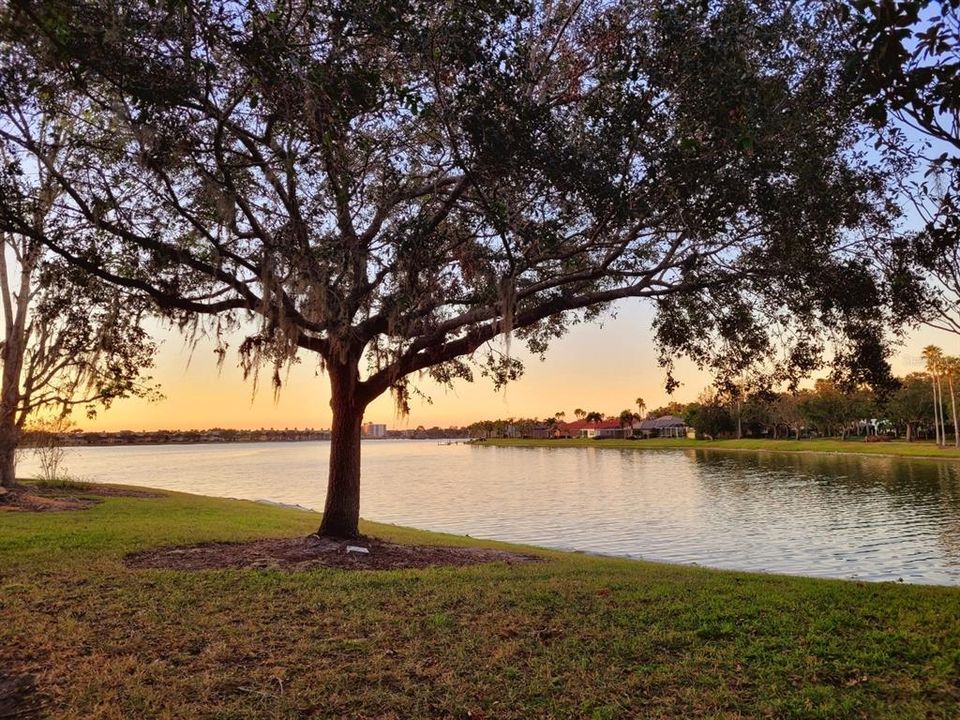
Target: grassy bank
854	446
574	637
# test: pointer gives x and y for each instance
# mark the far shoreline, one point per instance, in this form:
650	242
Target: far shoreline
832	447
153	439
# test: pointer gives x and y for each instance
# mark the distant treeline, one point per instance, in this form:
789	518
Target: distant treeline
912	411
225	435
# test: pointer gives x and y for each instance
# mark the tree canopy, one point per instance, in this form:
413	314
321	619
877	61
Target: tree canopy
909	69
396	184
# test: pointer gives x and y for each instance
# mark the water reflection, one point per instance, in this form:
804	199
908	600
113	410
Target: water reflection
874	517
829	515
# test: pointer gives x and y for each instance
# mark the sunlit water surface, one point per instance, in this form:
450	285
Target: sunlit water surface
827	515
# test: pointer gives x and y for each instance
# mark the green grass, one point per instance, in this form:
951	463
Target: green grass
61	483
854	446
575	637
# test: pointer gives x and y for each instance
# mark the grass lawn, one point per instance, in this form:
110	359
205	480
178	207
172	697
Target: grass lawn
574	637
858	446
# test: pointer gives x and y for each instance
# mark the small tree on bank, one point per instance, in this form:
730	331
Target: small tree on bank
951	369
44	438
392	186
786	412
832	410
911	405
709	416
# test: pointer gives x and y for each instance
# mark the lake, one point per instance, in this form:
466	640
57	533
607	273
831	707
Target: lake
842	516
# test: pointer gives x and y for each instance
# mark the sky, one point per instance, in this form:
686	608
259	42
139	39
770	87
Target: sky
594	367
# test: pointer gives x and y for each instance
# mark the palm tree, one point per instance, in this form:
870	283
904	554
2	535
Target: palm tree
560	415
593	416
951	368
641	406
934	360
580	414
626	418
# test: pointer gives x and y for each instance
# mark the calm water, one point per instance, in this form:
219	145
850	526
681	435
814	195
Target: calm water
835	516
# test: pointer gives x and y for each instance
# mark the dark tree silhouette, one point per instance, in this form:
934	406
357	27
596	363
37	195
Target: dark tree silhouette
70	340
910	72
393	185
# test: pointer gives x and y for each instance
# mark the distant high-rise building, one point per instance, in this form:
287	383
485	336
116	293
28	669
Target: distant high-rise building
374	430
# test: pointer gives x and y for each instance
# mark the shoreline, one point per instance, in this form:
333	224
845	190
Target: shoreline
247	441
824	447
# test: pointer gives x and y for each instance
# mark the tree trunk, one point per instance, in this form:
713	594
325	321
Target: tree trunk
16	305
9	440
943	423
953	409
341	513
909	432
936	424
9	401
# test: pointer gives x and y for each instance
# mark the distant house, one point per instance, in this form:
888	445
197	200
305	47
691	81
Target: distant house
666	426
539	432
609	428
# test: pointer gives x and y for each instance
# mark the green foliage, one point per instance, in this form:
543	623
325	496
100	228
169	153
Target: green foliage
626	417
831	411
62	483
827	409
709	419
913	402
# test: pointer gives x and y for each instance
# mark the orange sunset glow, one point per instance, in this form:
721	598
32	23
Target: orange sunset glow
596	367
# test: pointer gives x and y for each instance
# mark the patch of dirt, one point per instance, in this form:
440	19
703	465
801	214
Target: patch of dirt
19	698
23	499
37	498
298	554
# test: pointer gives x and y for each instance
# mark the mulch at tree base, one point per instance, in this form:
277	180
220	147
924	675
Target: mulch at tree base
298	554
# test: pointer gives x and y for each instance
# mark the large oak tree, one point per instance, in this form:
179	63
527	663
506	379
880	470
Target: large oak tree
393	185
